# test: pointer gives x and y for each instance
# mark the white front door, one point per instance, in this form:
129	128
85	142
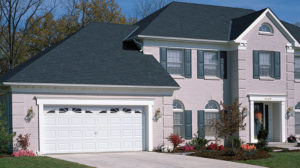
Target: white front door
73	129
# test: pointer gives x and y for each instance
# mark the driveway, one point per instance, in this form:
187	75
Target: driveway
147	160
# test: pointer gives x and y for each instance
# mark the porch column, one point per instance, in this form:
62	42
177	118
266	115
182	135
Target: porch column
252	121
282	122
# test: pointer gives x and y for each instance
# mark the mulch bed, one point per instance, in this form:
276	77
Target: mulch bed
228	155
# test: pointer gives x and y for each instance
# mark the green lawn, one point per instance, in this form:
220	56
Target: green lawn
279	160
33	162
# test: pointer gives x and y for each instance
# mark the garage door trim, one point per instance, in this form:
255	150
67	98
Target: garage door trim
147	103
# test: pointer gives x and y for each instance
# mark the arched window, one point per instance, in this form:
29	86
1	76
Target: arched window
178	118
266	28
212	105
178	106
212	109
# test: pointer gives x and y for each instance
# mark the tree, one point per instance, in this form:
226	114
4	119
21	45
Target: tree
5	135
15	16
230	121
144	8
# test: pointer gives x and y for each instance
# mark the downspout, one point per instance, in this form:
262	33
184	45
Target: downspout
139	44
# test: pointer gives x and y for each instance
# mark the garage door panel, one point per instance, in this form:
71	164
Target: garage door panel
99	130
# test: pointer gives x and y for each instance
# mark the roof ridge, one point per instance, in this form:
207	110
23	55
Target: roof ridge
255	12
211	5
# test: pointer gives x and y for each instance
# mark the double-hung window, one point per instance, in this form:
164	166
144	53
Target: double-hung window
212	109
182	120
297	119
175	61
211	64
297	67
265	64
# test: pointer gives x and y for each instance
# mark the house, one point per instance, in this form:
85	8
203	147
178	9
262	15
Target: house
128	87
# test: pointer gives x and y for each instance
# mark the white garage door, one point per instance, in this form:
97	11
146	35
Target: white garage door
71	129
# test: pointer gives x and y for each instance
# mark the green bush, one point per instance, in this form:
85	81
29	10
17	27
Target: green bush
5	135
262	138
199	142
236	144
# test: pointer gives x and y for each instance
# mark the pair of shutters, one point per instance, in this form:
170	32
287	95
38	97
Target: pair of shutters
222	64
187	61
275	65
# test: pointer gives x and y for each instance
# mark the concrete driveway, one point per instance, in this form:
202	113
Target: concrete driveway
147	160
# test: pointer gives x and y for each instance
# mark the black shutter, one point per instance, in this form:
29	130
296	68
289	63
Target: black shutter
223	64
200	64
187	64
201	127
255	64
277	65
188	124
272	65
163	57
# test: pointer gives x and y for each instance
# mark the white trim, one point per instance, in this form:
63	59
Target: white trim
181	39
211	110
267	98
87	85
148	103
267	11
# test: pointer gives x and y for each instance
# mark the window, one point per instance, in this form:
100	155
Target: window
266	28
297	67
212	109
297	119
265	65
178	118
175	61
211	64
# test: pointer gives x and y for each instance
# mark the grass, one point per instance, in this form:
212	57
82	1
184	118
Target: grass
279	160
33	162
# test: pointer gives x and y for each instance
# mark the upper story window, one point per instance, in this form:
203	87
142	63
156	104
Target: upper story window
177	61
266	65
297	67
211	64
266	28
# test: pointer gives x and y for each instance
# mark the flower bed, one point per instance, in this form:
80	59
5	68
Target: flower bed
227	154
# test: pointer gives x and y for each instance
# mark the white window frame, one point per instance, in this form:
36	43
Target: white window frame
296	79
217	76
182	64
266	32
210	111
180	111
271	54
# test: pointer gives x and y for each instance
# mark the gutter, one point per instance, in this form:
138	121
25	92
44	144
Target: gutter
89	85
182	39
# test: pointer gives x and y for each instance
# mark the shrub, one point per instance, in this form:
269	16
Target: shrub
21	153
198	142
23	141
175	140
214	146
236	144
262	138
291	139
5	136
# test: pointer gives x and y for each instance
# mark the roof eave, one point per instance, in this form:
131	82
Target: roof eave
181	39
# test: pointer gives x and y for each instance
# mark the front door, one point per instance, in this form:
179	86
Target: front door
261	118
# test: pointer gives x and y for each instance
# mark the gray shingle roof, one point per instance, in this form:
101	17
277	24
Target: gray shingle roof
189	20
93	55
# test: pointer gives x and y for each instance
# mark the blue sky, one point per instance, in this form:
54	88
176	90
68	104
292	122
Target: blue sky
288	10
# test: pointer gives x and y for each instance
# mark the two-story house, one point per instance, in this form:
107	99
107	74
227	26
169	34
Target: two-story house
128	87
